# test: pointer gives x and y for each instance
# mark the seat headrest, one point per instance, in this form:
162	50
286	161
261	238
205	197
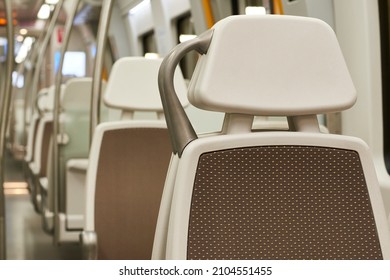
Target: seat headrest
77	94
133	86
46	98
41	99
272	65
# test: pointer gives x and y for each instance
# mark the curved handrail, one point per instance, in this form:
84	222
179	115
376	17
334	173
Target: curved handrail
4	120
104	22
180	129
56	115
36	58
39	56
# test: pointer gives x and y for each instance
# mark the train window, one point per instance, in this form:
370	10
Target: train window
74	63
3	49
254	2
22	48
93	50
240	6
250	10
149	43
384	6
185	26
17	79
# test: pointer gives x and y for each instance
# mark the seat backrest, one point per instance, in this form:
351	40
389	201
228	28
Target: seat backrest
242	194
45	99
42	145
44	130
127	195
74	127
31	136
32	129
144	95
128	164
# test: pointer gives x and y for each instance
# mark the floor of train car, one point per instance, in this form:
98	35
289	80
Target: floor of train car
25	238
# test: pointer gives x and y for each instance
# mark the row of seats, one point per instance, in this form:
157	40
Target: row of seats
128	93
238	193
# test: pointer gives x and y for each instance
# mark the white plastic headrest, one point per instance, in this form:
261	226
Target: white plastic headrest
46	101
272	65
41	99
77	94
133	86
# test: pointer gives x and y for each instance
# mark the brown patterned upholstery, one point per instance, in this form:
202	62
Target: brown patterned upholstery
130	178
281	202
36	123
47	133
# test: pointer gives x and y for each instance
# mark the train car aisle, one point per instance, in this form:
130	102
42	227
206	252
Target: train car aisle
26	239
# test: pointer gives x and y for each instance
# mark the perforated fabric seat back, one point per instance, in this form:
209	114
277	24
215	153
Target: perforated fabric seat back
244	194
281	202
132	166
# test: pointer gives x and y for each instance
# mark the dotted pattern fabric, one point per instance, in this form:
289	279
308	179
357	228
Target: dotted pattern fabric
281	202
132	167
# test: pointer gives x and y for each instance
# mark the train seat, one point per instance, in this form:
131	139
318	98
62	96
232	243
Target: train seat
127	165
242	194
44	115
30	144
32	129
15	132
37	158
73	144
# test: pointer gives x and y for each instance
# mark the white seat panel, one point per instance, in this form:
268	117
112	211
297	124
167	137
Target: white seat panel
76	171
139	93
327	87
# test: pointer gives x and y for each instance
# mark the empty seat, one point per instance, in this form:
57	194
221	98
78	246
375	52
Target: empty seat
241	194
38	144
73	144
128	163
32	129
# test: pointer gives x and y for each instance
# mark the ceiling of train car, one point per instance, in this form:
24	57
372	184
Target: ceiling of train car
24	11
24	14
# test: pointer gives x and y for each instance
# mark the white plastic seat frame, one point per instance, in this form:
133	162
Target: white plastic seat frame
280	78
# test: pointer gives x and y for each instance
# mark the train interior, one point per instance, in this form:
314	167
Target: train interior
107	105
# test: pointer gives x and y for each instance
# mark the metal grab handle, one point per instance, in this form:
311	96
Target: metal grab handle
56	120
38	58
180	129
5	106
104	22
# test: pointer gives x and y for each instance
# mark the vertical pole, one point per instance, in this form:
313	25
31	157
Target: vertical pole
36	61
208	12
56	115
104	23
4	121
